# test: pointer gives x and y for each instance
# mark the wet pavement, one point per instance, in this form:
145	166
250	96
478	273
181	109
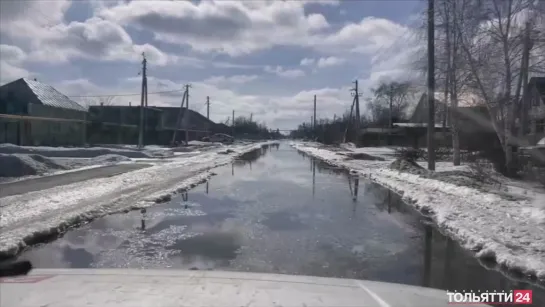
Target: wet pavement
278	211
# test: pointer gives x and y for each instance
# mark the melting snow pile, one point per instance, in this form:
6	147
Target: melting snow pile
511	232
108	159
81	152
18	165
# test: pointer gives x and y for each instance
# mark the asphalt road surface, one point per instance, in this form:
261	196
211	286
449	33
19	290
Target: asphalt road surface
47	182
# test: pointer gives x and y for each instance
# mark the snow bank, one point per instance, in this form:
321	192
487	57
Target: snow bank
80	152
200	143
30	218
14	166
382	153
108	159
386	153
510	232
19	165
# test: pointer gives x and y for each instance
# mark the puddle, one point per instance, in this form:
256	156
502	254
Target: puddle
283	220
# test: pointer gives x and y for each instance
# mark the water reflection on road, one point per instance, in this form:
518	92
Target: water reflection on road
266	212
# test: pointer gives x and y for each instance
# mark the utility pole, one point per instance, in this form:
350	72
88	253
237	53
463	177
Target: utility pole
208	116
431	86
181	115
349	119
527	46
314	126
356	95
143	102
187	86
207	107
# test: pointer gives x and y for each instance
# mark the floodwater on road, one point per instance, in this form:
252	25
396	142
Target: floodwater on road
278	211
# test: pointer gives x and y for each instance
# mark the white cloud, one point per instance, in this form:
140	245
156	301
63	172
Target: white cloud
10	72
95	38
307	62
239	28
235	28
236	79
330	61
317	22
11	54
285	73
79	87
367	36
322	62
28	17
11	58
39	26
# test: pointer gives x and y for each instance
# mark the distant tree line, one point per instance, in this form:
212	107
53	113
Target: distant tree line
387	105
246	127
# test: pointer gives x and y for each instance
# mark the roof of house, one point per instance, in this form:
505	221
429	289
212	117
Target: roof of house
189	113
49	96
464	101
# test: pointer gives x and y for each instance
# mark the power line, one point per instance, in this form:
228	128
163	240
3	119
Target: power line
119	95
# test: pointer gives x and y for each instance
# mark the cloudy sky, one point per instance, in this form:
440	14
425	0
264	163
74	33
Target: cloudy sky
268	58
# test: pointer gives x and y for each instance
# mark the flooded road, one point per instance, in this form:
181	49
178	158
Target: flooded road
277	211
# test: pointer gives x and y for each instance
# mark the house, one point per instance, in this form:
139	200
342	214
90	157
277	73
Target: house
192	126
474	124
536	102
192	120
420	110
35	113
119	124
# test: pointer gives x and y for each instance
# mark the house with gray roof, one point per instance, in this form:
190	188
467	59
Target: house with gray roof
35	113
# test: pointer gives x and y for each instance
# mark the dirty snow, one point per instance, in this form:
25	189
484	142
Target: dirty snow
25	162
24	166
86	152
28	218
200	143
510	232
17	165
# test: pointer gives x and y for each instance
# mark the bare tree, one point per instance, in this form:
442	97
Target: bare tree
378	111
451	71
395	96
491	35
